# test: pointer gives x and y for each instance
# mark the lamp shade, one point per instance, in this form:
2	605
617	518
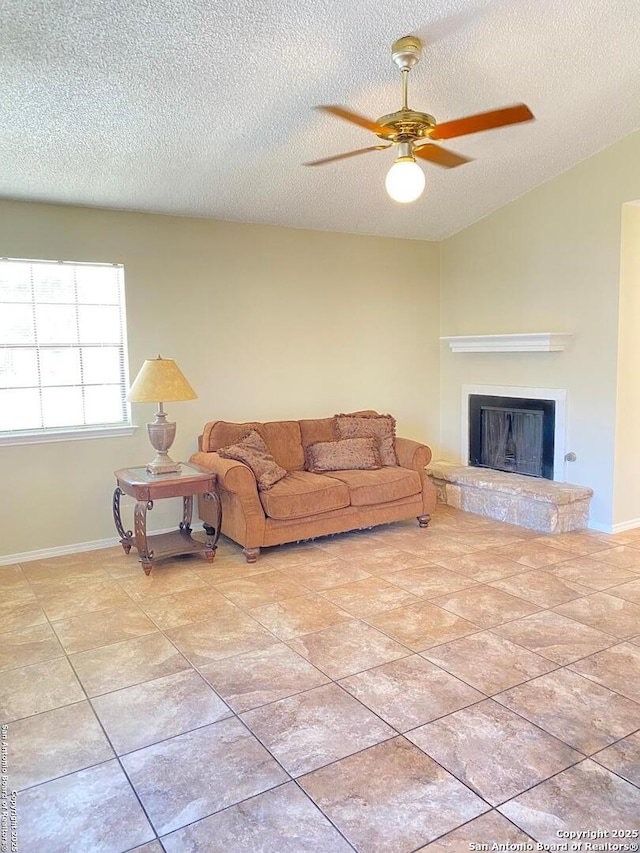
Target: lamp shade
160	380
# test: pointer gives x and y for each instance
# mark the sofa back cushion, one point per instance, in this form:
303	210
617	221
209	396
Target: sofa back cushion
313	430
322	429
217	434
281	437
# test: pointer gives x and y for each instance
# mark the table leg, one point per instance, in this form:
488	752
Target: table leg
187	513
140	524
126	536
213	533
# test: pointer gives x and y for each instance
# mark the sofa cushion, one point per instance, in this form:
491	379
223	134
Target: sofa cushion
380	427
281	437
316	429
302	493
284	441
322	429
252	450
379	487
342	455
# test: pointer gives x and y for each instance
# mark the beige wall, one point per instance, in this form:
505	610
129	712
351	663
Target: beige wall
547	262
626	501
265	322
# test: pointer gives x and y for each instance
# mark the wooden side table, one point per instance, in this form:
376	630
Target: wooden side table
146	488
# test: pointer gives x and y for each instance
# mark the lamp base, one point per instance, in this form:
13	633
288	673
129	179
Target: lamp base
161	435
163	464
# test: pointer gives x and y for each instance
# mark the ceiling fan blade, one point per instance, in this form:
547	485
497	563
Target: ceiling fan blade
482	121
440	156
348	154
354	118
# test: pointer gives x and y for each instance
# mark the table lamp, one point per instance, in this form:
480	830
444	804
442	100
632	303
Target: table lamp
161	379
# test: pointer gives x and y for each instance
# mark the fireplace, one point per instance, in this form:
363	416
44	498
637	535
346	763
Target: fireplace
514	434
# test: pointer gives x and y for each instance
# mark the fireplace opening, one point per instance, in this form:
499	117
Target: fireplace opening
512	434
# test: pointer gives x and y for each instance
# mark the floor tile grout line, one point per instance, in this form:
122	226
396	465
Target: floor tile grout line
592	679
139	799
338	680
615	640
405	732
289	781
99	610
232	715
473	686
493	697
288	643
444	835
116	756
580	760
622	640
325	815
541	727
413	745
517	714
543	782
226	808
487	583
615	742
333	681
322	766
354	619
616	772
230	657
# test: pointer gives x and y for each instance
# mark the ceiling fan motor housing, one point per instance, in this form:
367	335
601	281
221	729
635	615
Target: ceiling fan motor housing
406	52
406	125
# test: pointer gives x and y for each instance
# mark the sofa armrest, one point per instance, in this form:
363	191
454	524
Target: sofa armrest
243	517
232	476
412	454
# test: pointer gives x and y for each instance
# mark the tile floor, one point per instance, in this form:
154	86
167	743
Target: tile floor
384	691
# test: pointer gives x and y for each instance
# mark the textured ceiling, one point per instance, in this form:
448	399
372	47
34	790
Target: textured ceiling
203	107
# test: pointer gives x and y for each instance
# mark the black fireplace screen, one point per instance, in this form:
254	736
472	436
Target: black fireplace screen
512	434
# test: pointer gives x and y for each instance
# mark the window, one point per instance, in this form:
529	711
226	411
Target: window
63	360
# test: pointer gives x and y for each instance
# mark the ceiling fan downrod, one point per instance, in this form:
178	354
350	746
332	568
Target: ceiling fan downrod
406	53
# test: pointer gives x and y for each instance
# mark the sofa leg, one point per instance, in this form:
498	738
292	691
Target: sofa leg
423	520
251	554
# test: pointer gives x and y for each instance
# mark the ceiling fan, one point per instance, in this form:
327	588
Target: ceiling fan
410	131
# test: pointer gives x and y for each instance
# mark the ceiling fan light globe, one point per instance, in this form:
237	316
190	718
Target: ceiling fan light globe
405	180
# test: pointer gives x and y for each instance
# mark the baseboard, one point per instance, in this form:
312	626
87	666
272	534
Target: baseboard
621	527
626	525
61	550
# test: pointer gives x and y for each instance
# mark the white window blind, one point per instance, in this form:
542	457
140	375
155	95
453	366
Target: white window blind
63	360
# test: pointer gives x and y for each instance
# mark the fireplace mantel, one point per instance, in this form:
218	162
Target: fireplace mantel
525	342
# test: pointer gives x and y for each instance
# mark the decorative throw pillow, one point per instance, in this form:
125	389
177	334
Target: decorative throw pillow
254	452
380	427
346	454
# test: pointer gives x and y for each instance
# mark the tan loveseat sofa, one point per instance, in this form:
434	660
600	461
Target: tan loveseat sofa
304	505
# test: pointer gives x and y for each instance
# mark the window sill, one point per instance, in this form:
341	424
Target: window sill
66	435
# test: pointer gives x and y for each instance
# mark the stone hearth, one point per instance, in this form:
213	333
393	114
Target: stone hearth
544	505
